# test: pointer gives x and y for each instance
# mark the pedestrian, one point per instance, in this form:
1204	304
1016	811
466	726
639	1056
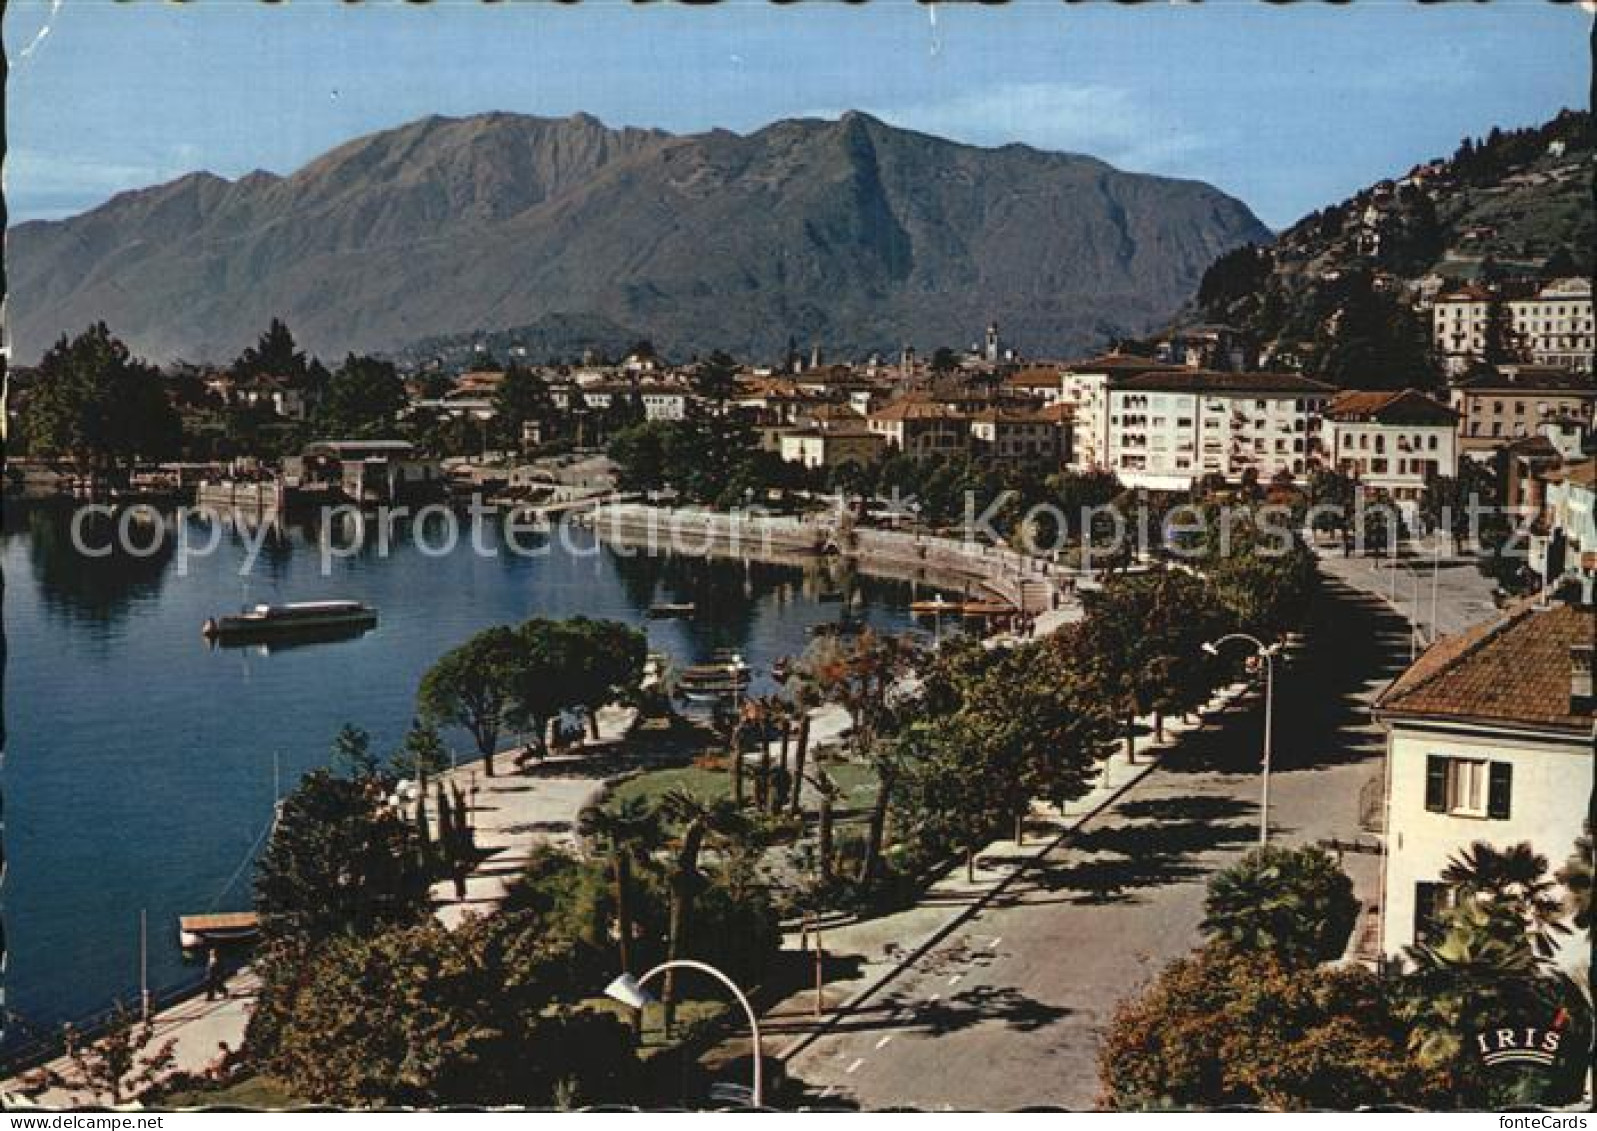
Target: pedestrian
215	981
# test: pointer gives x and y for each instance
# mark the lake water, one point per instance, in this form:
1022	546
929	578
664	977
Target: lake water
139	763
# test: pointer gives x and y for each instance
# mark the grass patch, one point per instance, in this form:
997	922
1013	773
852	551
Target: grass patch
651	786
260	1091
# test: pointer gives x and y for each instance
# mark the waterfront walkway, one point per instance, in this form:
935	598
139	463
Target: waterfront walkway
513	813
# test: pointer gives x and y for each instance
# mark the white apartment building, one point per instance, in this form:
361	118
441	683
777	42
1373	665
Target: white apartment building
1169	428
1489	738
1458	326
1552	327
1391	441
1555	325
1085	388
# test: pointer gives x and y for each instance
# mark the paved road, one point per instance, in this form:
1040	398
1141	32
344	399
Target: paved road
1008	1011
1460	595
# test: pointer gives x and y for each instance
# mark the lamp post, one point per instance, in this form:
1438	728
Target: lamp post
1269	653
629	991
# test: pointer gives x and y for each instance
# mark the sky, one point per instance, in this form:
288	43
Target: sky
1289	108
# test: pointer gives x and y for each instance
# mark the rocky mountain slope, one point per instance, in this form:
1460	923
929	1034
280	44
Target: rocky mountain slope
851	234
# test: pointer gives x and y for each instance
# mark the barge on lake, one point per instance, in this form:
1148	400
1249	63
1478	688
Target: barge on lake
270	622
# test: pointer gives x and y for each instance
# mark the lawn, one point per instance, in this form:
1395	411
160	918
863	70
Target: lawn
261	1092
857	781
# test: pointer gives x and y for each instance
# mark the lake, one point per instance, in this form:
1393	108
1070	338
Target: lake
141	764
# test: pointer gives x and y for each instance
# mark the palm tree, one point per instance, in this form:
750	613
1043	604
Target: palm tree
1575	875
1515	879
828	792
695	819
628	834
1294	903
803	693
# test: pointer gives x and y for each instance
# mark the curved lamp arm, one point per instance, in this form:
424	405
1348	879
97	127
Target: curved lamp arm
625	988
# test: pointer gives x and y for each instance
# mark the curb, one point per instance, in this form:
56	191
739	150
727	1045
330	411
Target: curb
965	914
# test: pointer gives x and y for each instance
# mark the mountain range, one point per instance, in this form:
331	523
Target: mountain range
850	234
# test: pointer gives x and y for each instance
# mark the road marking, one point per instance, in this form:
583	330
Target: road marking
934	997
826	1091
954	981
994	944
851	1069
883	1042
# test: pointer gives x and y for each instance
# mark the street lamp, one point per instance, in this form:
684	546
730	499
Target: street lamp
1269	653
629	991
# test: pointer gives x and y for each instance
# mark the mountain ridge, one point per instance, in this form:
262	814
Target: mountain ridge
850	233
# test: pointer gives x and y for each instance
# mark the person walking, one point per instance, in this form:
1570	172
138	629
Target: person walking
215	981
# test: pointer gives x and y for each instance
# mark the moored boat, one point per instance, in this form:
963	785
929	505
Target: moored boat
301	617
217	929
665	610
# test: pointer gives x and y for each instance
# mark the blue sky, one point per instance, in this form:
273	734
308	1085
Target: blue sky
1288	108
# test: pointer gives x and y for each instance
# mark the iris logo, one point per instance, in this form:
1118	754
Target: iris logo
1528	1045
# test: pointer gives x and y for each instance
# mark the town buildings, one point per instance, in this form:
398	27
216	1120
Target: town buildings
1489	738
1171	427
1563	543
1551	326
1391	442
1514	401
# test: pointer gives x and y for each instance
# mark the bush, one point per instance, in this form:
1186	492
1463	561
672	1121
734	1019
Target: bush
1295	904
1224	1027
424	1016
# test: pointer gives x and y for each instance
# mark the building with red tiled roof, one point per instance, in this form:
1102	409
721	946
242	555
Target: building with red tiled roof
1489	738
1391	441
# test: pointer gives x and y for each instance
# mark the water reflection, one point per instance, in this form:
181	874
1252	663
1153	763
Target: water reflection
100	588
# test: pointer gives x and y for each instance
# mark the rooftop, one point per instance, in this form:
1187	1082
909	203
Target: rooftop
1180	379
1120	363
1403	406
1514	670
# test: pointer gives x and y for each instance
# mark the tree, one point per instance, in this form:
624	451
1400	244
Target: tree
1575	875
1227	1028
473	687
117	1066
628	835
1141	644
340	860
423	1016
944	361
275	354
694	821
423	752
352	754
640	455
521	398
1479	970
603	662
97	406
1514	879
364	398
1293	903
541	679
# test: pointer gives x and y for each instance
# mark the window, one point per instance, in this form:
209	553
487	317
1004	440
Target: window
1468	787
1431	899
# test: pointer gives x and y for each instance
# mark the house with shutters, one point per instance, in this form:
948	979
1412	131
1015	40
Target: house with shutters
1489	738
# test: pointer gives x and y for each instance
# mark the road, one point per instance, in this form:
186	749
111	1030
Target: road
1008	1011
1460	595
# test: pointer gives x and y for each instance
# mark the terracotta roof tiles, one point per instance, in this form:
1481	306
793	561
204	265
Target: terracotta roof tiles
1512	670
